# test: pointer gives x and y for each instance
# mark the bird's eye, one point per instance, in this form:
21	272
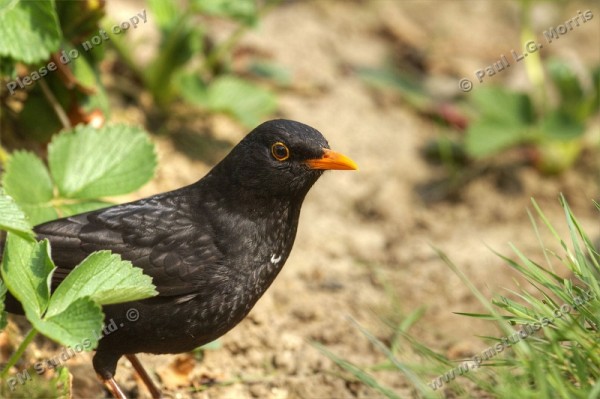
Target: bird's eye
280	151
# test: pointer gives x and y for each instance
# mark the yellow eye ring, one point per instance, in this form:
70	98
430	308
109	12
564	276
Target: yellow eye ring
280	151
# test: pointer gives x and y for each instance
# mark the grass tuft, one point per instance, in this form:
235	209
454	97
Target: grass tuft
549	345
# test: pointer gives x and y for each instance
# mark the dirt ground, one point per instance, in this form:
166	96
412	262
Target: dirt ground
364	249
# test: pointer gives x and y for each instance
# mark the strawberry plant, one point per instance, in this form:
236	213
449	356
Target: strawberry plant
84	166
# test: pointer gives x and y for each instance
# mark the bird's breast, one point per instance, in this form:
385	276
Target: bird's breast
253	256
251	276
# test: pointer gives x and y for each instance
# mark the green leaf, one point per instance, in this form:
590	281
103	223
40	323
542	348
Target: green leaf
193	89
247	102
12	219
408	86
27	181
3	320
559	126
245	11
38	118
486	137
270	70
566	81
106	279
63	382
7	4
81	207
504	107
22	170
79	20
7	68
211	346
29	30
78	324
165	13
86	75
181	43
27	272
88	163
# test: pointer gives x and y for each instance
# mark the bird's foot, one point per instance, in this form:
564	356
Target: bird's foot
114	388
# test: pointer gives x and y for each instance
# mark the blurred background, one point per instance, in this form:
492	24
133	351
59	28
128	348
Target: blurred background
444	163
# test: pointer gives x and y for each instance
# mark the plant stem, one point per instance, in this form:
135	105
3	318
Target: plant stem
217	54
60	112
533	66
17	355
124	52
3	156
159	77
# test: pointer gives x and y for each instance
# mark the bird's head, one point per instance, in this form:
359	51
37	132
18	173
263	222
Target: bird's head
282	158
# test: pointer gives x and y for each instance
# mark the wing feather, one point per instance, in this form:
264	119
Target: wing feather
160	234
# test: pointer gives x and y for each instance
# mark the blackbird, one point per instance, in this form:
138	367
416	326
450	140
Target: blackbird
212	248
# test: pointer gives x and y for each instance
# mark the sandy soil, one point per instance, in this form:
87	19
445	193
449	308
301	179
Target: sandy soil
364	249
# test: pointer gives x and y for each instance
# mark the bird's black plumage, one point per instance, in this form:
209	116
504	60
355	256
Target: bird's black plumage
212	248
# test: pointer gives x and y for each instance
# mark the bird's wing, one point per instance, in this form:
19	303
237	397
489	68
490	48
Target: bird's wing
156	234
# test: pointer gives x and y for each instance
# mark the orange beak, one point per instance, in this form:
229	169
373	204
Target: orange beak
332	160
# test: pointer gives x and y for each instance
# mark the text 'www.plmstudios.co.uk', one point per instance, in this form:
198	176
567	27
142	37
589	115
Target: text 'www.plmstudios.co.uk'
526	331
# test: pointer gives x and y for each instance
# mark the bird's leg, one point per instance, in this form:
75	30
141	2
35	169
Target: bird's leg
137	365
114	388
